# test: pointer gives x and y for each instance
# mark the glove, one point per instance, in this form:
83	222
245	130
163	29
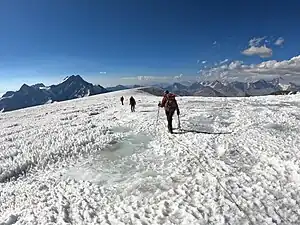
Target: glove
159	104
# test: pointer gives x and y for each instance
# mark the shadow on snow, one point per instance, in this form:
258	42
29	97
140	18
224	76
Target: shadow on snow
183	131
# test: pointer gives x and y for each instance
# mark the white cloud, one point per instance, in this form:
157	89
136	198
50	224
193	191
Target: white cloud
153	78
224	61
215	42
146	78
279	41
178	77
263	51
203	62
235	65
291	66
102	72
289	69
255	42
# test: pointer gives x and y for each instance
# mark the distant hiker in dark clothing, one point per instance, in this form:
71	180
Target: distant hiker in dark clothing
132	103
170	104
122	100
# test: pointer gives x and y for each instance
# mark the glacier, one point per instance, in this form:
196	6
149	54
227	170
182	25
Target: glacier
92	161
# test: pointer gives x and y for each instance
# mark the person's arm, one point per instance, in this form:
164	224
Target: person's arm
163	102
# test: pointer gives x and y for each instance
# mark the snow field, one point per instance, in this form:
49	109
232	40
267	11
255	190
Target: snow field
92	161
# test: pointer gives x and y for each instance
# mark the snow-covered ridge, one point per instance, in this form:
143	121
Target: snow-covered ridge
92	161
233	88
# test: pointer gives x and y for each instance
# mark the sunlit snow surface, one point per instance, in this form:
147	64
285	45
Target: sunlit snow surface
92	161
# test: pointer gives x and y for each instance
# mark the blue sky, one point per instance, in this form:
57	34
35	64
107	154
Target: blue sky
117	41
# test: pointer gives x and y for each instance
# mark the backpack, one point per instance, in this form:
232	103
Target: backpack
171	102
132	101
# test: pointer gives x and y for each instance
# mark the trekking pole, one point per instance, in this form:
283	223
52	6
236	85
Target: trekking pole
179	126
157	117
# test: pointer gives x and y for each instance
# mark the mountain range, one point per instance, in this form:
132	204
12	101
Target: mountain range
38	94
229	89
75	87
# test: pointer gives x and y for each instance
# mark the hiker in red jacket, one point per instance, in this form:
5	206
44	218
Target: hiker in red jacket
170	104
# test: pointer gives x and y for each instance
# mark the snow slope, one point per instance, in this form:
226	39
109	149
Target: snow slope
92	161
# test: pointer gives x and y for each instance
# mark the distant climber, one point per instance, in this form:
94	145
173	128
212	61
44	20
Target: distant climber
170	104
122	100
132	103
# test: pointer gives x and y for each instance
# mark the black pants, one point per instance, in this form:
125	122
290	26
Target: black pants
132	108
169	115
122	102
